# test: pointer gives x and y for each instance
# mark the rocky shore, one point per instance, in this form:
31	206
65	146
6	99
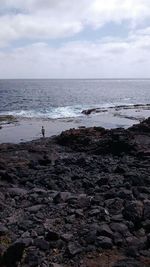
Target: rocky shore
7	119
79	199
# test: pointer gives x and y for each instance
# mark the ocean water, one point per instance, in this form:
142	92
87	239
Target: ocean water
68	98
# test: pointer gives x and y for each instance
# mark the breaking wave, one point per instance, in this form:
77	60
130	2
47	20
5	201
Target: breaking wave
70	111
52	113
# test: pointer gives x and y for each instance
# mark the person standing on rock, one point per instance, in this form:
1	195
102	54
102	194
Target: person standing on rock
43	131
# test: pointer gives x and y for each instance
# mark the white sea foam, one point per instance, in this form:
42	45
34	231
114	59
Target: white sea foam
52	113
65	112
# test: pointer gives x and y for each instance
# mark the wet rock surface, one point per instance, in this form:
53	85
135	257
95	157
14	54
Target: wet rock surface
7	119
78	199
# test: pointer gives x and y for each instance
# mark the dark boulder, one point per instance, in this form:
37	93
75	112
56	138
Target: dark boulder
133	211
13	254
104	242
104	230
32	258
120	228
52	236
74	248
3	230
41	244
147	209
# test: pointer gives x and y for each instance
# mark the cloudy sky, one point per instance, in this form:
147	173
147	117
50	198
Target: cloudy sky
74	39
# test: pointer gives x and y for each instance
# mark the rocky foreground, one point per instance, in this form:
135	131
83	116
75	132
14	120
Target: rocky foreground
79	199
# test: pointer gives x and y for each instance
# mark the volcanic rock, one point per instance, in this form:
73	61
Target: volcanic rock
69	199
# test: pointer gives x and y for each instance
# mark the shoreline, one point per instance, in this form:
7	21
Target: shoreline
18	129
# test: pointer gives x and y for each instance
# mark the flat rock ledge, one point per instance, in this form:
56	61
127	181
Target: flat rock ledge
79	199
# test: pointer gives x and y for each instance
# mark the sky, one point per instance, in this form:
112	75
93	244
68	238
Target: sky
74	39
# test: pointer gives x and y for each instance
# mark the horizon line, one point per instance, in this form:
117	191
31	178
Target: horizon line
104	78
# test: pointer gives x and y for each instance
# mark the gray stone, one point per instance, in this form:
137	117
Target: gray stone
13	254
15	191
104	230
104	242
41	244
125	194
35	208
120	228
133	211
94	212
146	209
52	236
3	230
32	258
66	237
74	248
26	241
62	197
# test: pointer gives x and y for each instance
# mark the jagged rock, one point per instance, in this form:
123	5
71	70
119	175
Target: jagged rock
125	194
133	211
62	197
32	259
114	205
134	179
66	237
138	243
120	228
83	201
9	177
15	191
3	230
143	127
120	170
104	242
103	181
94	212
52	236
146	225
118	239
91	236
26	241
74	248
35	208
45	161
41	244
13	254
104	230
93	196
89	111
146	209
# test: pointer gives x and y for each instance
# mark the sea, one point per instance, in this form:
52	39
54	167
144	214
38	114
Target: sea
67	98
61	104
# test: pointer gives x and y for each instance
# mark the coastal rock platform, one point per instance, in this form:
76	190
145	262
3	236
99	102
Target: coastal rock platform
78	199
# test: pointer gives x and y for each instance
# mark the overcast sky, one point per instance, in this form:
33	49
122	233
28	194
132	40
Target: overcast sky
74	38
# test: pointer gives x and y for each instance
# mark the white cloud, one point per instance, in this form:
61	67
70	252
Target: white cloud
60	18
43	20
25	26
145	31
113	58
